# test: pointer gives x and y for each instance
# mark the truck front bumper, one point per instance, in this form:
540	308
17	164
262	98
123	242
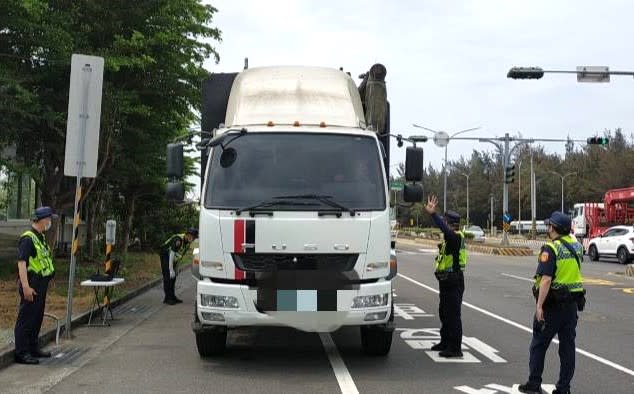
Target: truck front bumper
244	312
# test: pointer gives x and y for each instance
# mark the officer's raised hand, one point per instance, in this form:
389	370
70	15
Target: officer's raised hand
432	201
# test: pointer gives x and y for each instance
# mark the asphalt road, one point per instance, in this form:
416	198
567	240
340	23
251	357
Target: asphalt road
157	353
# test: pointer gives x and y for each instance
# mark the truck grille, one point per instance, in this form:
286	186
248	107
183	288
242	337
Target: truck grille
278	262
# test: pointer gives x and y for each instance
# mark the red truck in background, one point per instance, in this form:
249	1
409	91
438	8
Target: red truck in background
617	209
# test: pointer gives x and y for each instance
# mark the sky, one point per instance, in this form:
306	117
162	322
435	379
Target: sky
447	61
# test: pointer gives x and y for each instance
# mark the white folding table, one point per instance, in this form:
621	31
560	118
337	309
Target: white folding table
105	308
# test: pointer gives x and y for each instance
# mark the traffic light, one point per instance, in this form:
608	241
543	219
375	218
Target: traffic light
525	73
509	174
598	141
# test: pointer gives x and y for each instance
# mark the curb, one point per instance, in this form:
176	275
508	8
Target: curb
492	250
7	355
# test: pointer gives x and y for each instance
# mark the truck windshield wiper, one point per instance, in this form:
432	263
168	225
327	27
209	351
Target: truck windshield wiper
321	198
271	203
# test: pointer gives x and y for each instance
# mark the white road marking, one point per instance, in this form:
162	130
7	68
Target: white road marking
602	360
409	311
493	388
346	384
517	277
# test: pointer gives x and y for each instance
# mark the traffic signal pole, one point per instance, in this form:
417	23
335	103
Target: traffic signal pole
503	145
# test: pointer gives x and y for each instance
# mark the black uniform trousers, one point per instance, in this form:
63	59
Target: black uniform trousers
169	284
560	321
30	315
449	311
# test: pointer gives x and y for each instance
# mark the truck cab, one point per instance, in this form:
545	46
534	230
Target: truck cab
294	222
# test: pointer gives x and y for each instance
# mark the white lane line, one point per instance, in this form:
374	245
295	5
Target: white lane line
346	384
527	329
517	277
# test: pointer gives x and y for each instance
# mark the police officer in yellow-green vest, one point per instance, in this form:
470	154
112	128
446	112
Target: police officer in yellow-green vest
35	270
450	265
172	251
559	294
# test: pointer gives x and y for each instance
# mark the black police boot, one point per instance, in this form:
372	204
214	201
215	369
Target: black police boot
26	358
439	347
530	388
177	300
561	391
39	353
169	301
451	353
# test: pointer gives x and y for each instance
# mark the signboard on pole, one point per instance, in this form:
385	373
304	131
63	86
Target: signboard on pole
84	100
396	186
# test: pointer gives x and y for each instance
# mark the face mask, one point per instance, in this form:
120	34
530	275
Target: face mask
47	226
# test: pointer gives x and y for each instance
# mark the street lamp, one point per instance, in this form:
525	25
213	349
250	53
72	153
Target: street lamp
562	185
467	176
441	139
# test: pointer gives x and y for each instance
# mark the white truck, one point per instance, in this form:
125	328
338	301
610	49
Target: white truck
580	226
294	223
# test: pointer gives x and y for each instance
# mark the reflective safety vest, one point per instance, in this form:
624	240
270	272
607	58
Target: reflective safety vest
567	269
181	250
445	263
42	263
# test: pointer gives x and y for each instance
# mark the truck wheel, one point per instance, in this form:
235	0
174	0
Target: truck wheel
593	253
623	255
211	342
376	341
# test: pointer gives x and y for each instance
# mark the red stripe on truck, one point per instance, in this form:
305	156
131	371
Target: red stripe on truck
238	240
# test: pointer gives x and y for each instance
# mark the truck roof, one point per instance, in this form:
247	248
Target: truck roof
284	95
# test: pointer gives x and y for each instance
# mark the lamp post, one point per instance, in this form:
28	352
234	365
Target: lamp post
562	185
467	176
441	139
519	197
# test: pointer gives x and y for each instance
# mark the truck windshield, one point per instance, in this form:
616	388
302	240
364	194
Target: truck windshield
346	168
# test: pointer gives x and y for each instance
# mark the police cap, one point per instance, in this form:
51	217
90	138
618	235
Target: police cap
559	219
193	231
43	213
452	217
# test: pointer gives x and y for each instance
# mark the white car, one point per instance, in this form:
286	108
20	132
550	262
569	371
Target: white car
478	233
617	241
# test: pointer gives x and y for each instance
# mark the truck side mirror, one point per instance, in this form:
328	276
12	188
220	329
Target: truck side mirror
175	191
174	160
414	164
413	193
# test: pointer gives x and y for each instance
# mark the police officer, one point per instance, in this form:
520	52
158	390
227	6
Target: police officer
172	251
35	270
559	292
450	264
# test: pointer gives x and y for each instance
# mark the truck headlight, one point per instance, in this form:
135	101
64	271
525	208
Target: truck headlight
370	301
369	267
217	301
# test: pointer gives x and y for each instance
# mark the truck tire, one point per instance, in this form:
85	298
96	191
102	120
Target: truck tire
211	342
623	255
376	341
593	253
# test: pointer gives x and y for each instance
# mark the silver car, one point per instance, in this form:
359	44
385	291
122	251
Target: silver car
478	233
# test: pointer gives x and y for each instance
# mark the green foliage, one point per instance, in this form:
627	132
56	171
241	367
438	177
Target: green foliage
153	52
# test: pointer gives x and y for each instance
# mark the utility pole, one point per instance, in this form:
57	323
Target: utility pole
491	217
519	197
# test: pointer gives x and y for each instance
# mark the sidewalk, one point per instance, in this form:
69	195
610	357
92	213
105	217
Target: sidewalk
87	342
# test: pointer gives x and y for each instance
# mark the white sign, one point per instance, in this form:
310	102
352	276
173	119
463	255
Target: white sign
84	115
593	74
425	338
111	229
441	139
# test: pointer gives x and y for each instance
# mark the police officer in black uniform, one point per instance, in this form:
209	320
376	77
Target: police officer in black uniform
450	264
559	294
172	251
35	270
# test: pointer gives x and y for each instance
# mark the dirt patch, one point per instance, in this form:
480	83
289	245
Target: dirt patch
139	268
